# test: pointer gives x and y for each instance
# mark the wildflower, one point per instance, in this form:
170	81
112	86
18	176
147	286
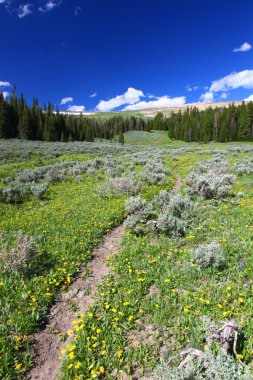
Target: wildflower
71	355
70	366
18	366
78	365
101	369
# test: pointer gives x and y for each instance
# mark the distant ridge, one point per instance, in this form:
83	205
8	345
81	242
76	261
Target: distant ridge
152	112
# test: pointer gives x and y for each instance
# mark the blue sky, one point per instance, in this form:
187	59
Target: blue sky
126	54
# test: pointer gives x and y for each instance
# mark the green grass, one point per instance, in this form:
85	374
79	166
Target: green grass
147	138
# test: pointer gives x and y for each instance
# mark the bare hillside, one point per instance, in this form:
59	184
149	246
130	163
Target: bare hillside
151	112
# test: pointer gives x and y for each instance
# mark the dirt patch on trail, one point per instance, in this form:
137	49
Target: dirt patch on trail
81	295
178	182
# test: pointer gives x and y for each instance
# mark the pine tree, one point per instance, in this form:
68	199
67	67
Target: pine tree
89	135
3	117
25	126
244	132
121	139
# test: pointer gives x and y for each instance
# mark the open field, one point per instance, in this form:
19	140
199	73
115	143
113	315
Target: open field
183	262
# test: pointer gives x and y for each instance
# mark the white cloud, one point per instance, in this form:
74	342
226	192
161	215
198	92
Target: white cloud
163	101
76	108
232	81
192	88
50	5
6	94
249	99
2	1
151	96
224	95
93	95
131	96
5	84
244	47
207	97
24	10
66	100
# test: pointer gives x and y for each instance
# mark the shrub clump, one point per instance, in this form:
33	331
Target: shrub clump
39	190
17	260
243	167
208	255
15	193
154	173
134	204
116	185
166	213
210	185
212	367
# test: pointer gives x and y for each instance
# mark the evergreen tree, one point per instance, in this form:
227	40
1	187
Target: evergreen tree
121	139
3	117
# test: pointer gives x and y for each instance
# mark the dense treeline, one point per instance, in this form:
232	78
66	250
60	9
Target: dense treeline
234	123
19	120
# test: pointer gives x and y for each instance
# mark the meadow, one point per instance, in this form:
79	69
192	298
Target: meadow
183	268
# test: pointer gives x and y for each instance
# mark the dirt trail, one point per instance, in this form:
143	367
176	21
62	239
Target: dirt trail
80	296
178	182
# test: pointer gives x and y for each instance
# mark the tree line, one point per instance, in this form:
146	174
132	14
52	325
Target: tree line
19	120
233	123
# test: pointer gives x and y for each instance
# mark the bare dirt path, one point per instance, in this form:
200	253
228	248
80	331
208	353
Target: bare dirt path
80	296
178	182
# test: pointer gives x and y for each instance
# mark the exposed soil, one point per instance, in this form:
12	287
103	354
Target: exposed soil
178	182
81	295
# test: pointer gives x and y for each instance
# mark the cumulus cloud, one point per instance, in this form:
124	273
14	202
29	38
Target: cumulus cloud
163	101
207	97
244	47
24	10
5	94
5	84
49	5
249	99
93	95
76	108
66	100
232	81
131	96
